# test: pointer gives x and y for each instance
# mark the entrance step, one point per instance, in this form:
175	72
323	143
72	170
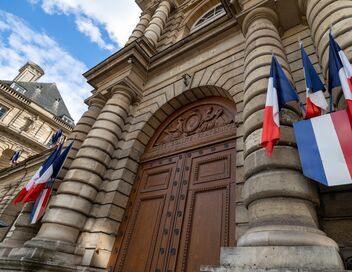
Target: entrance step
234	269
278	259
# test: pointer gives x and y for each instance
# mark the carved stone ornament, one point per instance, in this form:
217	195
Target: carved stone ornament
198	120
199	124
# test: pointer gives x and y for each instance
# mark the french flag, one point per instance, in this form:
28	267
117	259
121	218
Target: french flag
40	205
340	73
316	101
324	145
42	191
48	176
22	196
56	137
15	157
280	92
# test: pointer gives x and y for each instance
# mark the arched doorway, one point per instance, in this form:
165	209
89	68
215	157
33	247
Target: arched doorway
182	208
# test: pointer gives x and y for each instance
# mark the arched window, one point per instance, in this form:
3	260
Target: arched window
209	16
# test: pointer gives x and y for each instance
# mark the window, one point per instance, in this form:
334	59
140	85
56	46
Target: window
3	110
210	16
67	120
18	88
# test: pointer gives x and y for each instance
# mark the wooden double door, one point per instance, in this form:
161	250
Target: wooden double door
183	212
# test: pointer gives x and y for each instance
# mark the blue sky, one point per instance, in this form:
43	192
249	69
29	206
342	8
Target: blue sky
65	37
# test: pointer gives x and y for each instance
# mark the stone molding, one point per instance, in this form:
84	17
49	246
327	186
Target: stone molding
259	13
96	102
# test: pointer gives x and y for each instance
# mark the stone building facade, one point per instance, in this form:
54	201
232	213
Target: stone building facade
167	172
30	112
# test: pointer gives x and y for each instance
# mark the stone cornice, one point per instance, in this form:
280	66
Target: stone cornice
128	66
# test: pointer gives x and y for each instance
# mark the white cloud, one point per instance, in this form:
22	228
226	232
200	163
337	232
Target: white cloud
19	44
117	17
86	26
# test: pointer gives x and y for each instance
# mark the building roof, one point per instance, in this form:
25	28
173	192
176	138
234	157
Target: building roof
46	95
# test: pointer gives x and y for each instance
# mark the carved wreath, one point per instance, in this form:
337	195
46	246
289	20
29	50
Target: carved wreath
197	122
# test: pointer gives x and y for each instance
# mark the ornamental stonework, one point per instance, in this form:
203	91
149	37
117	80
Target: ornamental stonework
195	127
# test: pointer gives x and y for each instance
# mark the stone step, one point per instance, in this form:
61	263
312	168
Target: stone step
234	269
286	258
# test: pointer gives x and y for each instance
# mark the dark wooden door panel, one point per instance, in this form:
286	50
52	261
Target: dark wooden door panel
139	248
143	235
212	167
156	179
183	212
204	230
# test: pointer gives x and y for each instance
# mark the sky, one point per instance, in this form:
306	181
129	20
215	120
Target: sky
66	38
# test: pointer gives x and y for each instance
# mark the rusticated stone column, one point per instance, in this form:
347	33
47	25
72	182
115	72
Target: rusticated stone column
140	28
22	230
69	209
280	200
80	131
321	14
158	22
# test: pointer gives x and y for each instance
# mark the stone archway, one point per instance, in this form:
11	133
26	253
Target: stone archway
182	194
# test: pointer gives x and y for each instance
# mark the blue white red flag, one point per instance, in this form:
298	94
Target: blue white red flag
42	191
47	177
15	157
56	137
340	74
316	101
40	205
280	92
22	196
325	149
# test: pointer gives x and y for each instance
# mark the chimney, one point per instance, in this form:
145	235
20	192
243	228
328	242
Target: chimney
56	105
30	72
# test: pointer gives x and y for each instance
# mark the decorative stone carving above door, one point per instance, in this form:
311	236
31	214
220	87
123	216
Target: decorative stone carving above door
198	124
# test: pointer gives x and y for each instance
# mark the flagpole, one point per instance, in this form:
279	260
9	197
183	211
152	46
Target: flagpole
331	102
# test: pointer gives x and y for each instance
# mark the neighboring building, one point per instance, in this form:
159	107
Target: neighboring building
167	166
30	112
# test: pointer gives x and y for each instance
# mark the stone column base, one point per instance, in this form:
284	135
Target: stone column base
278	259
232	269
41	255
30	265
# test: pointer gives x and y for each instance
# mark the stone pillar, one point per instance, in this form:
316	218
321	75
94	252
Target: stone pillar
140	28
80	131
158	22
22	230
70	208
321	14
281	202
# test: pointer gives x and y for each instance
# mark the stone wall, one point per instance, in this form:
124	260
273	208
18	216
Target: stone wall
82	222
25	126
